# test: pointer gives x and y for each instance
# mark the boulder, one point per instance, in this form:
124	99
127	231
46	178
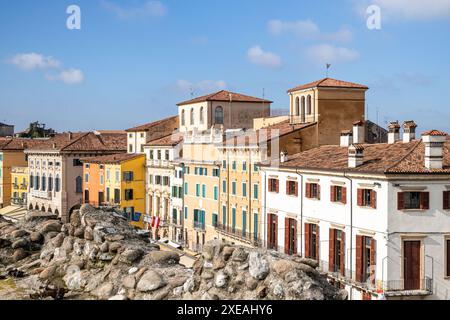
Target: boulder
36	237
20	243
258	266
130	255
162	257
119	297
221	280
19	254
75	219
104	291
227	252
47	273
310	262
18	234
239	255
51	225
150	281
283	266
129	282
88	233
79	232
114	247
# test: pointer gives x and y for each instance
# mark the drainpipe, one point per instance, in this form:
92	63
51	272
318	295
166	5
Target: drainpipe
301	211
351	230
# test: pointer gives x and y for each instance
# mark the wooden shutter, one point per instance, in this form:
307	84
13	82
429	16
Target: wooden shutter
286	235
342	266
275	225
308	191
296	189
332	193
359	265
318	243
270	185
318	191
446	200
277	186
360	197
269	229
307	234
374	199
331	250
373	258
288	192
400	200
344	195
424	200
295	236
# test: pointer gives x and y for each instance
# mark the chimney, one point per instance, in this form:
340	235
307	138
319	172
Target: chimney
394	132
355	155
409	128
283	156
359	132
346	138
70	135
434	141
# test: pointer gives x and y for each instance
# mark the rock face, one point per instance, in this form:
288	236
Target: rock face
99	256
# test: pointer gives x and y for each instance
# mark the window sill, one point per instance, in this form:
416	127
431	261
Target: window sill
413	210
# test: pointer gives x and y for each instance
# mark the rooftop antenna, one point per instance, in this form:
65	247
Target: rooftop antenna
328	68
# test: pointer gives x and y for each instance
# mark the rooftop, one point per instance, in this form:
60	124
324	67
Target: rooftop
329	83
167	141
225	96
17	144
158	129
113	158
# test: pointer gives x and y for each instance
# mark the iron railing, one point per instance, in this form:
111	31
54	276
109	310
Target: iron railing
199	225
242	235
405	286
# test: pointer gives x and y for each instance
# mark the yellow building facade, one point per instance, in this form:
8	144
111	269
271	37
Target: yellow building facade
19	189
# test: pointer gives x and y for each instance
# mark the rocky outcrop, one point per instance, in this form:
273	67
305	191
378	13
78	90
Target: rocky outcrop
99	256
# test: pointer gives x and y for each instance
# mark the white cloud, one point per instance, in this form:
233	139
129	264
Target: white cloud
258	56
325	53
408	9
32	61
148	9
69	76
204	86
309	30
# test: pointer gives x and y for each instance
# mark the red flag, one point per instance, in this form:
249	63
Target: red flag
158	221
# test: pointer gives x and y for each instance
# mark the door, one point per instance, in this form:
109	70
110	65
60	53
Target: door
100	198
411	265
86	196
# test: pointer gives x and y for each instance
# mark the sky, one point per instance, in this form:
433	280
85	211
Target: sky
133	61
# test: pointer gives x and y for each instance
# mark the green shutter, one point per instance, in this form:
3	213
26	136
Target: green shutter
204	191
255	226
233	219
224	216
244	189
244	222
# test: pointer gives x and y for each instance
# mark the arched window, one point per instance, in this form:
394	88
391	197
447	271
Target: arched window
192	117
308	105
79	185
57	212
183	118
297	107
202	117
50	183
57	183
43	209
49	210
31	181
44	182
218	115
36	183
30	207
303	112
36	207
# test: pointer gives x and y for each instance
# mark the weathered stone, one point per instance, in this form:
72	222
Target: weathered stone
20	243
191	284
68	244
114	237
119	297
98	234
79	232
310	262
104	291
251	283
75	219
258	266
51	225
88	233
104	247
4	243
106	257
131	255
218	264
239	255
162	257
150	281
133	270
47	273
206	275
278	291
114	247
36	237
308	269
58	240
221	279
19	254
19	233
129	282
227	252
283	266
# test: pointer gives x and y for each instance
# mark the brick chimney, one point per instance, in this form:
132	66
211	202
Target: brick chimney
359	132
434	141
346	138
394	132
409	131
355	155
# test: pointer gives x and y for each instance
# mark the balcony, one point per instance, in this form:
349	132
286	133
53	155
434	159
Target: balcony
401	288
46	195
302	119
18	201
239	235
199	226
15	186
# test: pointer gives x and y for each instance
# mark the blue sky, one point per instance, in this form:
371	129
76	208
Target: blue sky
132	61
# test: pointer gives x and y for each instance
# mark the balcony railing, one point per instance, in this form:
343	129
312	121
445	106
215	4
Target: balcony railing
238	234
302	119
18	201
408	287
199	225
47	195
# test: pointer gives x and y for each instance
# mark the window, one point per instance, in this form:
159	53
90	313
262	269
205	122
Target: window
192	117
273	185
446	200
108	175
292	188
158	180
50	183
336	251
216	173
413	200
224	186
244	166
142	135
57	183
338	194
128	176
86	178
224	216
233	220
312	191
204	191
233	166
224	164
218	115
365	258
255	168
185	212
77	163
216	193
159	154
233	188
166	181
128	194
167	155
130	135
202	120
44	182
117	176
244	189
447	257
151	155
244	223
367	198
87	165
215	219
255	191
78	184
183	118
312	242
31	181
142	148
36	182
197	190
102	179
185	188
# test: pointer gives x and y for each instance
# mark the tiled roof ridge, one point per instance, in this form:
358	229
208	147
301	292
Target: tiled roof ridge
75	140
418	143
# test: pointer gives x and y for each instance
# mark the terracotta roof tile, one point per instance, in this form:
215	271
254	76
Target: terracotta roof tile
112	158
20	143
158	129
434	133
224	95
168	141
329	83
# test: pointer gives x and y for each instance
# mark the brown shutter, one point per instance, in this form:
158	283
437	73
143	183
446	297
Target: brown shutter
424	200
288	192
342	266
360	197
318	191
275	219
269	229
277	186
296	189
400	200
286	235
318	243
344	195
331	246
308	191
373	258
359	266
374	199
446	200
307	233
295	236
332	193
